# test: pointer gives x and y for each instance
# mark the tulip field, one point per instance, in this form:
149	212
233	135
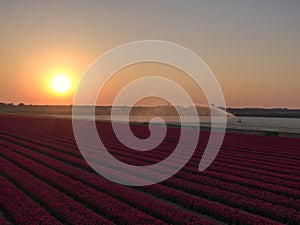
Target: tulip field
45	180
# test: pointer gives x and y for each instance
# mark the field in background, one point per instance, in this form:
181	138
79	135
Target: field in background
267	122
44	179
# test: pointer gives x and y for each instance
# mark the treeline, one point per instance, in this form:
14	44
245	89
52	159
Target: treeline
3	104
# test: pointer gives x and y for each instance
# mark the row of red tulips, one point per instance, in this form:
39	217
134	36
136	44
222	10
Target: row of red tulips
100	202
278	188
242	166
157	208
289	202
290	181
3	221
224	174
251	204
269	144
255	206
21	208
65	127
187	174
220	211
192	175
210	208
280	167
280	172
250	142
63	207
229	186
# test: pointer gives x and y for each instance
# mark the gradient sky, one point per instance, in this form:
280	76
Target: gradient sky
251	46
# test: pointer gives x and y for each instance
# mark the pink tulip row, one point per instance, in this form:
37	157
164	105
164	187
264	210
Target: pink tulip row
229	158
263	141
262	150
223	174
225	159
248	141
256	174
219	167
219	211
268	143
260	185
283	164
98	201
3	221
277	165
256	166
203	205
250	204
264	195
236	188
21	208
63	207
199	178
232	164
165	211
238	149
270	197
253	205
274	152
239	173
284	190
260	161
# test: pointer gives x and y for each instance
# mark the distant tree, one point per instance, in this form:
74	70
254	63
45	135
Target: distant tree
21	104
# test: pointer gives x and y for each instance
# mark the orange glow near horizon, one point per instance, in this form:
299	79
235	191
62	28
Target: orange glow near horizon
253	49
32	83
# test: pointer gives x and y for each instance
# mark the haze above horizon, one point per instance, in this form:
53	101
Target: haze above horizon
251	46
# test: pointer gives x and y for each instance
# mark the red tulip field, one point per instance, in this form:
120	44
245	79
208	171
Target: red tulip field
45	180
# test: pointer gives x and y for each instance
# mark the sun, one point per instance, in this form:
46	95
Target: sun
61	84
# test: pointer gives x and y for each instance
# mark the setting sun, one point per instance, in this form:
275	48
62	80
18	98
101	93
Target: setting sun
61	84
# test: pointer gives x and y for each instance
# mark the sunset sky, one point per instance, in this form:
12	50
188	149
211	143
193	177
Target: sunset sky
251	46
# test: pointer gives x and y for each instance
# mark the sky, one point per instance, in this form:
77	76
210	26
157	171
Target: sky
252	47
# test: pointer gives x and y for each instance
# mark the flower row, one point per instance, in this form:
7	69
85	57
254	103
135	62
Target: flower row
157	208
21	208
213	209
63	207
